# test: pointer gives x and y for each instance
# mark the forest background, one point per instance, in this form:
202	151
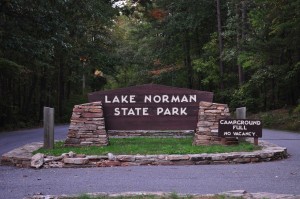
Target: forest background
245	51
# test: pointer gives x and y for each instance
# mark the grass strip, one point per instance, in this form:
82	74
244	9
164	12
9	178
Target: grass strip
148	146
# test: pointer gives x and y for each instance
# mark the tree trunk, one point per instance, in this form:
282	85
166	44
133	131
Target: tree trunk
238	41
188	62
61	88
243	34
199	46
221	67
42	93
29	100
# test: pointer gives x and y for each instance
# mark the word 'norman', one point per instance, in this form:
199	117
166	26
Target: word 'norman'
152	99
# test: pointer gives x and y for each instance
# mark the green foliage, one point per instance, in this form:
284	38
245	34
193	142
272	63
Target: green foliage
140	145
246	96
9	68
247	60
69	105
160	41
283	119
40	48
297	109
208	70
207	66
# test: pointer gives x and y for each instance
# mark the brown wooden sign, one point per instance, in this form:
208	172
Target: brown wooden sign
240	128
151	107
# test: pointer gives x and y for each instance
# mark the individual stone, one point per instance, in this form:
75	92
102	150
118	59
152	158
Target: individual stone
203	137
234	193
96	157
126	164
177	157
72	141
203	129
52	158
88	127
92	115
242	160
111	156
75	115
76	161
72	134
37	160
221	107
149	161
84	143
162	157
204	123
71	154
95	110
108	163
55	164
126	158
205	104
218	157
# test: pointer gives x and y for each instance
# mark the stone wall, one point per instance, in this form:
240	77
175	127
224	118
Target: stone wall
22	157
87	126
207	126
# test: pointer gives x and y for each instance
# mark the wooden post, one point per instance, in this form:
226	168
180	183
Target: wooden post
51	128
223	141
240	113
48	128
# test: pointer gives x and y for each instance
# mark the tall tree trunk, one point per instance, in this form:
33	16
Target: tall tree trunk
221	67
29	99
42	93
243	35
188	62
238	41
199	46
61	88
68	89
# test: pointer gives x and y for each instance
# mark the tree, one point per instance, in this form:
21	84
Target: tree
221	67
47	39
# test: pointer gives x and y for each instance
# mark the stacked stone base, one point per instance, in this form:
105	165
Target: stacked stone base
22	157
207	126
87	126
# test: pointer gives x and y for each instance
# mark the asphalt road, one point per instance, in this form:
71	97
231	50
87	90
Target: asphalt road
281	177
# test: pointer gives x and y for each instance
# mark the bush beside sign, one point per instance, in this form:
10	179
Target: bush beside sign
240	128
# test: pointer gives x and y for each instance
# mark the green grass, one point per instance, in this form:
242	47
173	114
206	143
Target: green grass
148	146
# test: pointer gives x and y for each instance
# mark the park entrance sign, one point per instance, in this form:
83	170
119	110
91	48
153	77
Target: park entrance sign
151	107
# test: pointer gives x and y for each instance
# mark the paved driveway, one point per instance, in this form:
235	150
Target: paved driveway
275	177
